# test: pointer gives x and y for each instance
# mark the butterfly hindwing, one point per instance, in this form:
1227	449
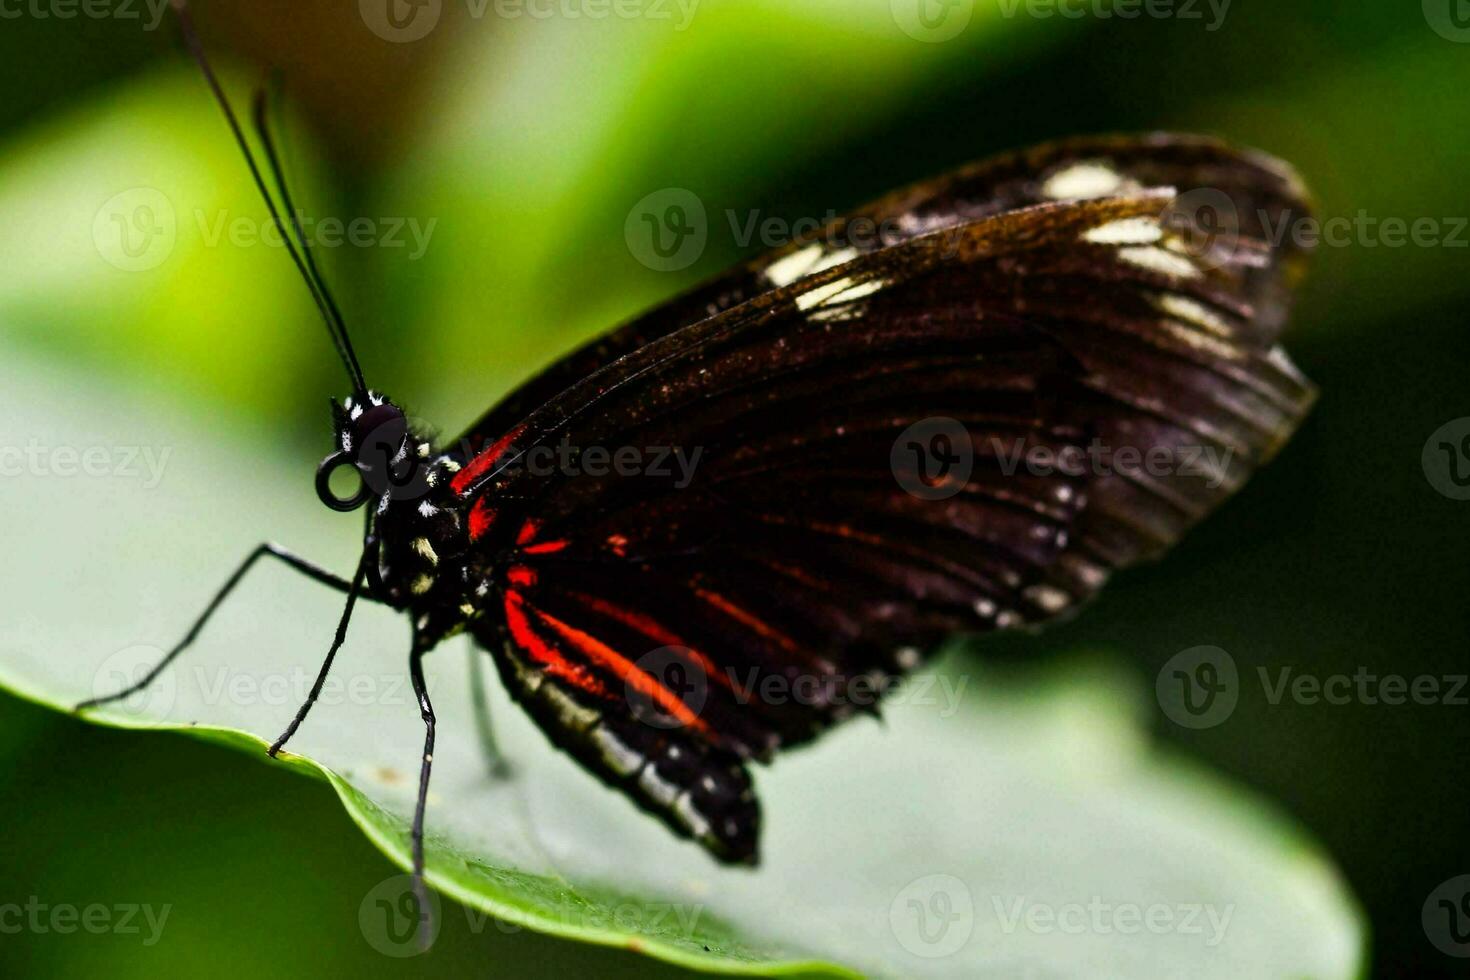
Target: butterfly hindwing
665	627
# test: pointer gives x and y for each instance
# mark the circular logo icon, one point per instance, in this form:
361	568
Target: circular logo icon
932	21
390	918
667	230
670	690
933	916
401	21
933	458
1449	18
128	667
1207	223
136	230
1198	687
1446	917
1446	459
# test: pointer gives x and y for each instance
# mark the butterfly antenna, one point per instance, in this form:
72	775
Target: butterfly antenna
324	305
278	172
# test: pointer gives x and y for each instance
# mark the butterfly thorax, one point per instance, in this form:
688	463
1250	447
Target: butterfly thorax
419	523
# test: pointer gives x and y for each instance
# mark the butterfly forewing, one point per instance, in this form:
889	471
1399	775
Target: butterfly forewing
1057	304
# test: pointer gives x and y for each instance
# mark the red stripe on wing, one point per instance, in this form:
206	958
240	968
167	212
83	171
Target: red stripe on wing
482	515
477	467
543	653
761	628
652	629
630	673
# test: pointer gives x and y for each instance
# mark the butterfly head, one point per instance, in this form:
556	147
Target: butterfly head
372	436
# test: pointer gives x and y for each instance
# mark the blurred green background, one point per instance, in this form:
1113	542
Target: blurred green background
528	141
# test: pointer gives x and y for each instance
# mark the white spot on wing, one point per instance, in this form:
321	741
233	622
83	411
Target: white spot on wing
1082	181
790	268
1126	231
1156	259
1193	312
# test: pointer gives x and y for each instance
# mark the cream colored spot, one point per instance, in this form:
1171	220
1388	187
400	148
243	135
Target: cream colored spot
426	550
619	757
1193	312
844	290
805	262
422	584
661	790
685	810
1049	598
786	270
1126	231
1082	181
1156	259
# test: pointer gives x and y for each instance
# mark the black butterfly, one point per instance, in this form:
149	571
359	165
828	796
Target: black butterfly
1099	294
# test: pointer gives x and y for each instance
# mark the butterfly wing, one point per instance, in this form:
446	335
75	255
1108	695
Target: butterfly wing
667	626
1246	190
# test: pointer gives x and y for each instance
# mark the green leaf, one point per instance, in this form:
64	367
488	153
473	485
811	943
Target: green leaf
1029	823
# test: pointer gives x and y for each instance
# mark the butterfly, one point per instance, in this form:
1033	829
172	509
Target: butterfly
959	409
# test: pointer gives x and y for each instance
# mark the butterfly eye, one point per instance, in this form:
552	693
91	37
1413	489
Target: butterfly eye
324	483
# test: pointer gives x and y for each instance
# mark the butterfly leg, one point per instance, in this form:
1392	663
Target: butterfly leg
354	589
266	550
495	761
426	710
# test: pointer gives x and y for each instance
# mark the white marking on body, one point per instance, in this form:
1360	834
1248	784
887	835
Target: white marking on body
619	757
690	816
426	550
659	789
1082	181
422	584
427	509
